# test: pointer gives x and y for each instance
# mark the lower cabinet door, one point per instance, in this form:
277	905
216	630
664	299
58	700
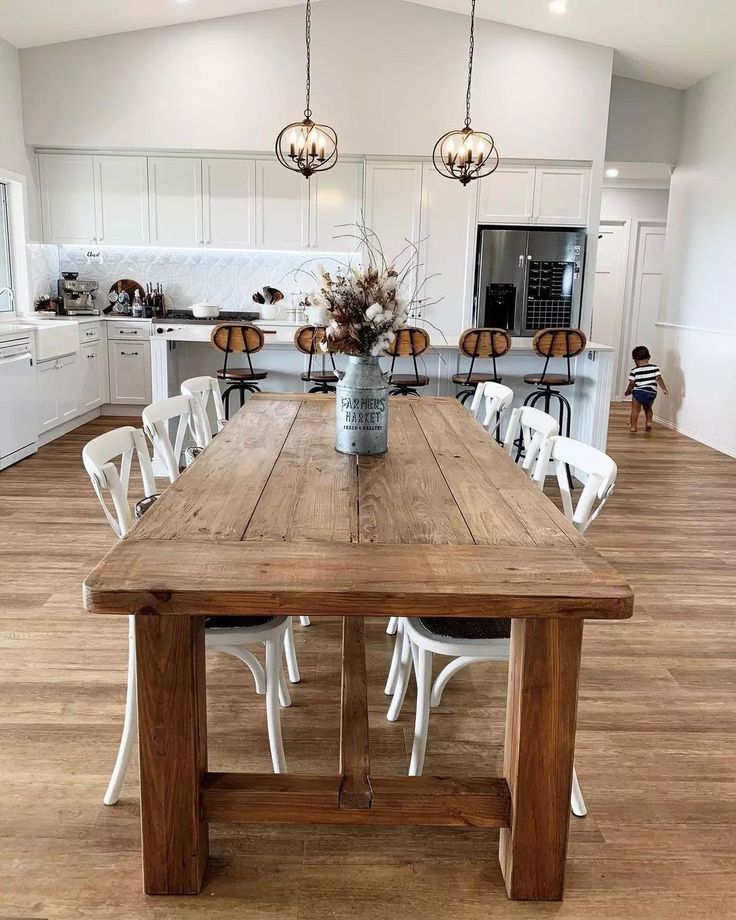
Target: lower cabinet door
130	372
93	376
58	391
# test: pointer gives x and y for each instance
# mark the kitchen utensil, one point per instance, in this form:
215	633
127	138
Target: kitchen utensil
205	311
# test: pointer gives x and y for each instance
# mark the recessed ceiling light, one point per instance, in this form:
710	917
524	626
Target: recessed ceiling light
611	173
558	6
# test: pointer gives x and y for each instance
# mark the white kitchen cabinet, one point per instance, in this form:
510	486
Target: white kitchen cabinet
282	207
561	195
93	376
507	196
121	197
336	199
67	198
58	391
393	193
228	200
130	372
448	231
175	201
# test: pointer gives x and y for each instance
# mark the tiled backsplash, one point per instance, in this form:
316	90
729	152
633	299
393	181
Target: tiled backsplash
227	278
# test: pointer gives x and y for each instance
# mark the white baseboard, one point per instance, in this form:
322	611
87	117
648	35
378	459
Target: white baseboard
721	448
48	436
115	409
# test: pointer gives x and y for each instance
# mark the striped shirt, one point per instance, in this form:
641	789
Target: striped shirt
645	377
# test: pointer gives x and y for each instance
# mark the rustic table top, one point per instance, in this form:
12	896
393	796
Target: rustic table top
271	519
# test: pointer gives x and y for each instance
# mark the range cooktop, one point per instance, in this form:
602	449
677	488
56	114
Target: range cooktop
185	316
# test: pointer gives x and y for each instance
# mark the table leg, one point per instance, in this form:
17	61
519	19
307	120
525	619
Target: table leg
172	731
538	761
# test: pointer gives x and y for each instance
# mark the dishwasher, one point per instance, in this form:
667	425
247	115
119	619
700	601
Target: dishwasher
18	401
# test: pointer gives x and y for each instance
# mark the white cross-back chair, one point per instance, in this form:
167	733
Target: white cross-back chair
469	640
108	459
207	390
528	429
490	401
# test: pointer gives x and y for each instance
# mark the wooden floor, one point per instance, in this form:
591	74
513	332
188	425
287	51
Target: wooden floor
656	738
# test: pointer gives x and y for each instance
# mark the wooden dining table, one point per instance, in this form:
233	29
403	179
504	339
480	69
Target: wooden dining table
270	519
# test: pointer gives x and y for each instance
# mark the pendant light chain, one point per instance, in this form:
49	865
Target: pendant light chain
308	27
470	65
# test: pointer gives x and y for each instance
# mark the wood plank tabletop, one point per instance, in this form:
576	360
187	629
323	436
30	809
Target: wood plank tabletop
271	519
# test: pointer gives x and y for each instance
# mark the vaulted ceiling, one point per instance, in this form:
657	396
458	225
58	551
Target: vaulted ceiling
674	42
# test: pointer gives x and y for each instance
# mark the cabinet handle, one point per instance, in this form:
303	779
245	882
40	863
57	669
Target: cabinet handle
91	356
129	354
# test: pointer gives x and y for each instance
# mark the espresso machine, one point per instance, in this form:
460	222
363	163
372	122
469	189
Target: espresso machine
77	297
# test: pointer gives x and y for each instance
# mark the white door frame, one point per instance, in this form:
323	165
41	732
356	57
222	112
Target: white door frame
621	301
632	286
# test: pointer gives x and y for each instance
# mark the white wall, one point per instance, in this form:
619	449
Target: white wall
644	122
388	75
12	148
698	318
634	203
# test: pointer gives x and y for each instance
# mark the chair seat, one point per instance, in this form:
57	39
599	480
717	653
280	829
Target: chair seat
553	380
235	622
467	627
320	377
408	380
241	374
474	379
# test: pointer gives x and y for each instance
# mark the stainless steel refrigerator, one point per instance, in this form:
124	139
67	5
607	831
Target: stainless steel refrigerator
527	280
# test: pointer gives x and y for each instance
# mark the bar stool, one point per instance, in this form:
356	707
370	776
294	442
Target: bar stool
410	342
480	343
555	343
309	341
238	338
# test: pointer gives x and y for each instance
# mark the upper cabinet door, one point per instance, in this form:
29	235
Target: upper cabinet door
507	196
336	200
393	199
121	187
448	229
68	198
282	207
561	195
175	200
228	198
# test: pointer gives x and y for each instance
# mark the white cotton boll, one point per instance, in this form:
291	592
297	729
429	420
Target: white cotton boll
372	311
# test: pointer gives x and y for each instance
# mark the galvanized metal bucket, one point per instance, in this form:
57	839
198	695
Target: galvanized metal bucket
362	408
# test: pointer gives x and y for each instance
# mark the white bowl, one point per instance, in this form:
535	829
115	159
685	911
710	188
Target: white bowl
205	311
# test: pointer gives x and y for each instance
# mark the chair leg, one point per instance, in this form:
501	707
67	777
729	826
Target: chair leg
423	671
130	725
449	670
577	802
242	396
305	621
274	651
402	678
393	625
249	659
393	671
290	653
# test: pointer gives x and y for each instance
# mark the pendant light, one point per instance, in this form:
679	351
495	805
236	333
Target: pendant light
466	154
304	146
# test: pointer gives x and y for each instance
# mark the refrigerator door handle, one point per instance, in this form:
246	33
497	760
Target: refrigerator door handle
521	260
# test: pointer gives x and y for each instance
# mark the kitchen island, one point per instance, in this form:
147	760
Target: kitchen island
180	350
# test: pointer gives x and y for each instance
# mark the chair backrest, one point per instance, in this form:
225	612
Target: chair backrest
205	389
599	471
484	342
237	338
314	341
410	342
559	343
494	398
534	427
187	412
108	460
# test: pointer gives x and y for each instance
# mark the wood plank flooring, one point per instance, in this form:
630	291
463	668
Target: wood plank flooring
656	743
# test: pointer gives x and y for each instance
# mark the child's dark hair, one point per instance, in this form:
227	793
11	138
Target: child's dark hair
641	353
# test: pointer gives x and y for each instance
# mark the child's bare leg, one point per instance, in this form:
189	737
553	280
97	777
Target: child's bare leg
648	415
635	410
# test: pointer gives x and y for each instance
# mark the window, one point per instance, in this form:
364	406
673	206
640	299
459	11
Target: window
6	277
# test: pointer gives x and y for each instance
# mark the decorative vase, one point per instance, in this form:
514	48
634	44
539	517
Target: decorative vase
362	408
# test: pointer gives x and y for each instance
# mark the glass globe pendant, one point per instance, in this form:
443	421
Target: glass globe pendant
304	146
466	154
